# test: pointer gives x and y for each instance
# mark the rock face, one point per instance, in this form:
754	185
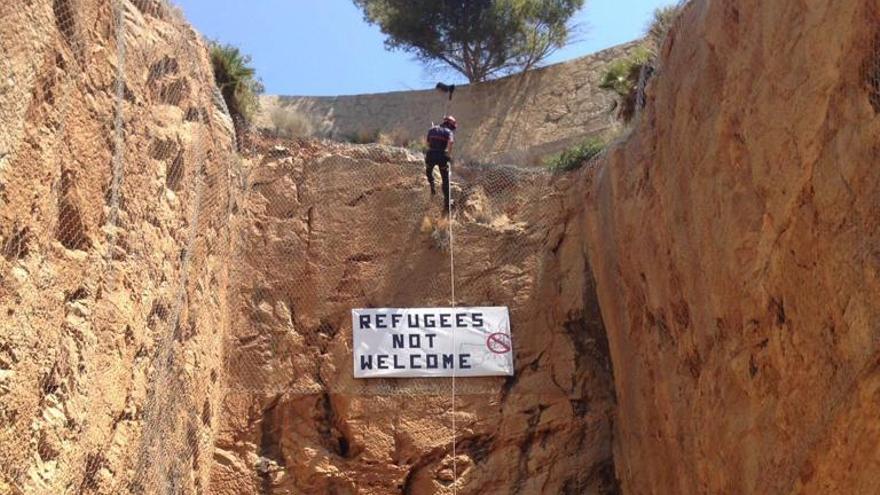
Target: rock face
735	240
128	366
176	321
329	228
114	246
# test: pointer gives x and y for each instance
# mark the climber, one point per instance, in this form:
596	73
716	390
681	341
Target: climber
440	140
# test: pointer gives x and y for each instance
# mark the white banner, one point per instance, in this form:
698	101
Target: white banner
431	342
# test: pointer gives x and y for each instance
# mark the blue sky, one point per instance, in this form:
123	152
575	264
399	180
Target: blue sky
323	47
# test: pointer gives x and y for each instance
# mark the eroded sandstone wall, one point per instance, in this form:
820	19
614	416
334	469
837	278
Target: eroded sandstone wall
517	119
113	233
326	228
734	238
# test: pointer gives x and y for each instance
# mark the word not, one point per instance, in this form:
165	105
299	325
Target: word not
400	341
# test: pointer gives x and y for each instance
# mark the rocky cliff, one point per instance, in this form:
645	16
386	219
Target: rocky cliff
734	238
114	185
176	321
326	228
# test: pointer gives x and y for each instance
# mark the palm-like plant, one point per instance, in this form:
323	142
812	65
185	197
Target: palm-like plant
627	76
622	77
237	82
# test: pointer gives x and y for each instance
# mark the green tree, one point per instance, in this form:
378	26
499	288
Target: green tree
237	82
481	39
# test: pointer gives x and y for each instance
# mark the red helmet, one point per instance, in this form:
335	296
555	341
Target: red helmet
450	122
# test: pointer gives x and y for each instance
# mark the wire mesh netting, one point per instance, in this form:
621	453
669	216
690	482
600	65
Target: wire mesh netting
100	377
339	227
170	307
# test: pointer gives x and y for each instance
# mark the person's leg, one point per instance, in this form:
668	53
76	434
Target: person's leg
429	172
444	174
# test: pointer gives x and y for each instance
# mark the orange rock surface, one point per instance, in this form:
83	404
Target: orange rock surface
693	312
114	249
734	241
328	228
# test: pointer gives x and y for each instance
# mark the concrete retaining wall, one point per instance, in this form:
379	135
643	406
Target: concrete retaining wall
516	119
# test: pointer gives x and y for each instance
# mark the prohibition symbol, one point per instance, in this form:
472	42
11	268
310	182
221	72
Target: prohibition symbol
499	343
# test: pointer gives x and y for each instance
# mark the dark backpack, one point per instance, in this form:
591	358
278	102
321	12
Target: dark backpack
439	138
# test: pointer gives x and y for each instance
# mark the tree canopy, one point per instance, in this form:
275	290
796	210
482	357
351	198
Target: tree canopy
481	39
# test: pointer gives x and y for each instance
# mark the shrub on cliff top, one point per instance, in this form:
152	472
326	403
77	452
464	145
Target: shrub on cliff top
363	136
291	124
576	156
624	75
660	25
400	138
237	82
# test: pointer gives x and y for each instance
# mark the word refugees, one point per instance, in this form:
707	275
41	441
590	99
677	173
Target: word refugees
410	321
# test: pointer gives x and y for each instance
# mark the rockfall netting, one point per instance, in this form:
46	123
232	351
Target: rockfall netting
153	281
117	183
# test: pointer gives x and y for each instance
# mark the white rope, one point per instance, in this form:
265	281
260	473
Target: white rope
452	284
449	219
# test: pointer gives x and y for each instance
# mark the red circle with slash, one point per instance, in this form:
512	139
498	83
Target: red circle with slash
499	343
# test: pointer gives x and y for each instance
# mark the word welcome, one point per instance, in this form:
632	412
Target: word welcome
415	361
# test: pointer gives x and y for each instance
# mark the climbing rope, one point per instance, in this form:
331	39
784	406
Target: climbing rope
452	291
450	223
